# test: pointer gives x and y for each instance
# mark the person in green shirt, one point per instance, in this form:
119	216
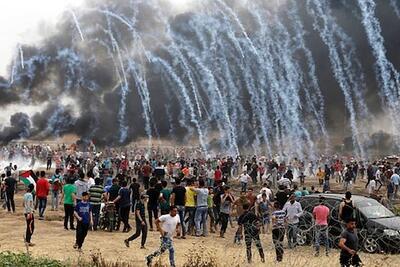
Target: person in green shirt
165	195
69	197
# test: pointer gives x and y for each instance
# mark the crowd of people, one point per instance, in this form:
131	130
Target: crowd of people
181	194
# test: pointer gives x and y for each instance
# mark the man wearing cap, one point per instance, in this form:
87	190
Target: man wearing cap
141	225
293	212
321	217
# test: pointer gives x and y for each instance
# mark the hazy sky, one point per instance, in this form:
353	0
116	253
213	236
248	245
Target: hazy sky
19	20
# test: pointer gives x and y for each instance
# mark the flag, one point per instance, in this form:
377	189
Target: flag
27	178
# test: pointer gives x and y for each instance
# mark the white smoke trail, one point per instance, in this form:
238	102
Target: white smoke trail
395	6
325	24
21	54
386	73
78	27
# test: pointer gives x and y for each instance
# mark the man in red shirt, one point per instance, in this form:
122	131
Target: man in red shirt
42	190
321	217
217	175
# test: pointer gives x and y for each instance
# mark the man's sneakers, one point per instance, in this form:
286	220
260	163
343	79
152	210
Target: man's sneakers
148	261
75	246
126	242
29	244
142	247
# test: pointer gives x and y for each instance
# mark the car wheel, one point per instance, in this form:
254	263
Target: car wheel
302	237
370	245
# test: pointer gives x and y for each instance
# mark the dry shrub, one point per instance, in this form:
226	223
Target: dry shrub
200	256
97	260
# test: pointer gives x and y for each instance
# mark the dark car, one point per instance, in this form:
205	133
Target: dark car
377	227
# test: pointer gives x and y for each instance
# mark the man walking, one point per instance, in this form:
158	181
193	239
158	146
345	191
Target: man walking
28	212
321	217
96	193
395	179
10	185
349	245
201	209
69	197
42	191
226	203
178	199
124	205
166	225
293	212
244	178
141	225
83	214
250	223
278	230
56	183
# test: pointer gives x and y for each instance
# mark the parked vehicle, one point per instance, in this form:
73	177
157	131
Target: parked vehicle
377	227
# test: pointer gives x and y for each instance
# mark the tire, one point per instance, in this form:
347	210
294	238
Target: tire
302	237
370	245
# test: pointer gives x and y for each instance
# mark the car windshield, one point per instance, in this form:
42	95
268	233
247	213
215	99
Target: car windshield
372	209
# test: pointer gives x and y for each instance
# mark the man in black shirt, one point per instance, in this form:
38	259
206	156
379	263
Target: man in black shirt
152	206
219	191
281	196
141	226
250	222
178	199
135	193
10	184
124	202
349	245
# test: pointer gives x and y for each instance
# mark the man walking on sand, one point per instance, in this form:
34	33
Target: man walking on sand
166	225
83	214
42	191
28	212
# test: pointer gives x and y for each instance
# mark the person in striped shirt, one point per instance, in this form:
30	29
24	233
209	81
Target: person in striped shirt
96	193
278	229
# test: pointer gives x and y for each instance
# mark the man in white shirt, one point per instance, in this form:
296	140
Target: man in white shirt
244	178
166	225
372	186
265	190
293	212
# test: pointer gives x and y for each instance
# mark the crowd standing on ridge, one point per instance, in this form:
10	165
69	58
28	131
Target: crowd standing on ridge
181	193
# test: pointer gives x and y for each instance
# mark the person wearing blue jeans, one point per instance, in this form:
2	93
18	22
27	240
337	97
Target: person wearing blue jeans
200	217
293	212
42	206
292	235
181	214
166	225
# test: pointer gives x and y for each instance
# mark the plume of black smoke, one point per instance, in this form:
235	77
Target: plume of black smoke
90	73
20	127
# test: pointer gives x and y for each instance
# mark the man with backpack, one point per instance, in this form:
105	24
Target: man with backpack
346	208
56	186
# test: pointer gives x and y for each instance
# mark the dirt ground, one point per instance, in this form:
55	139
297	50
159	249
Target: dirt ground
52	241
